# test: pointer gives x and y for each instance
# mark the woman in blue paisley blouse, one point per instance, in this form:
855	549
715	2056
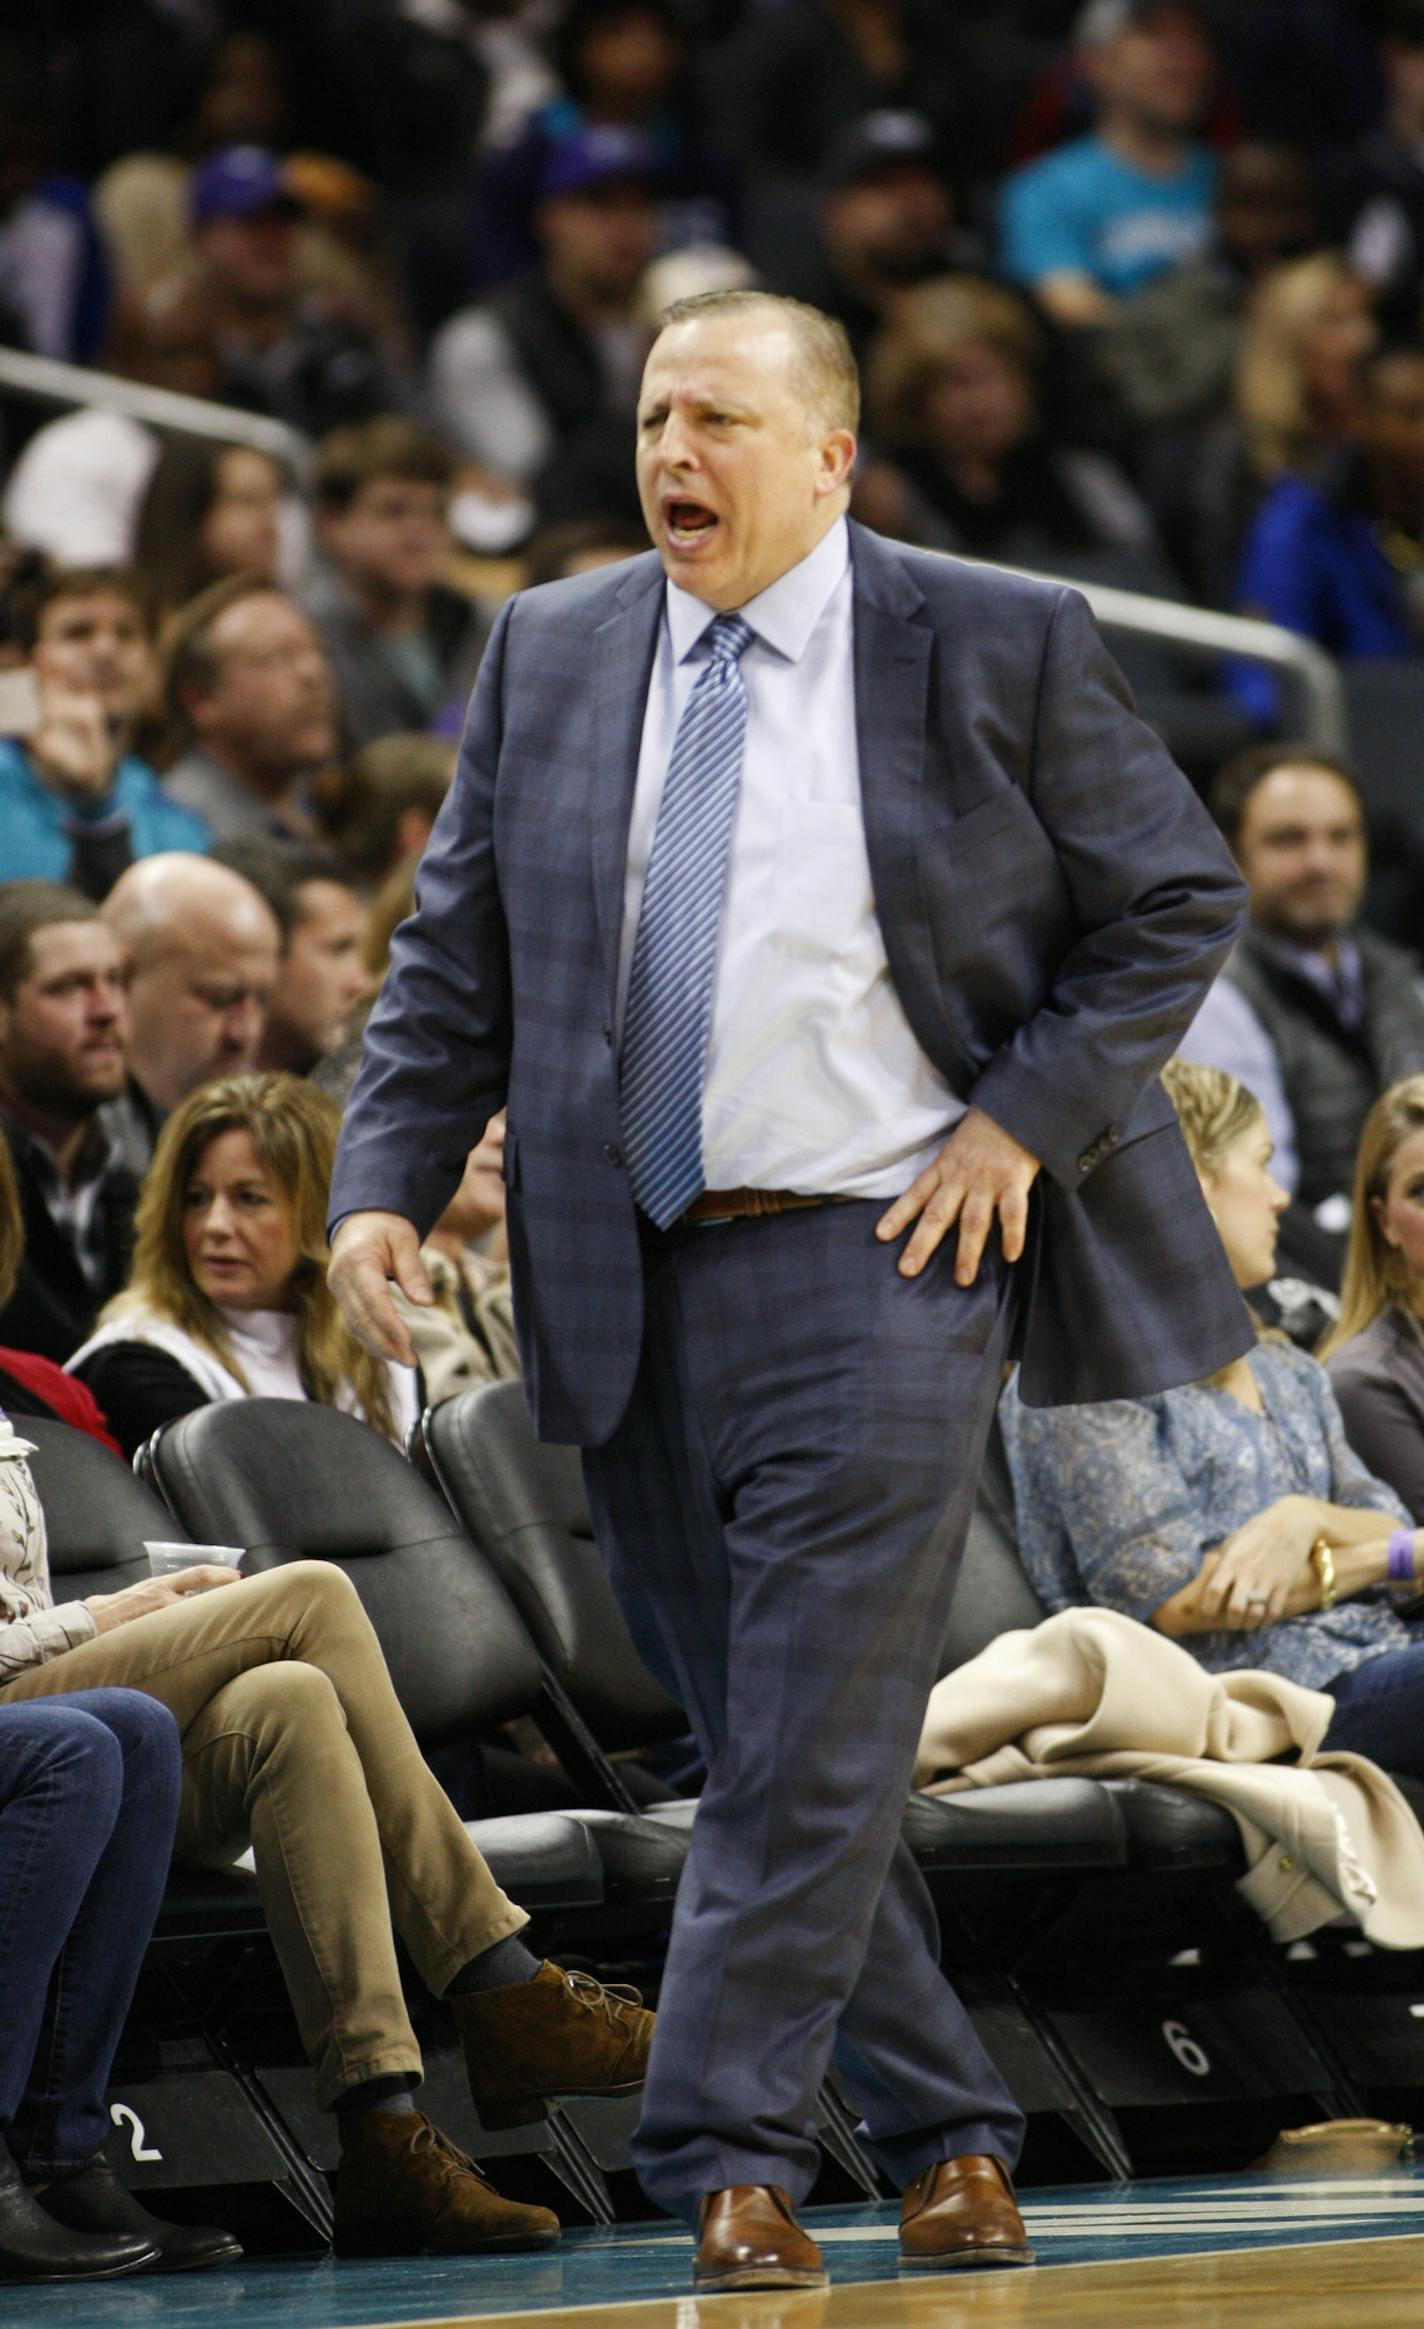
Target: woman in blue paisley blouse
1232	1514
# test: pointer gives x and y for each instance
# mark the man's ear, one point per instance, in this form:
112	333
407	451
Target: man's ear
838	450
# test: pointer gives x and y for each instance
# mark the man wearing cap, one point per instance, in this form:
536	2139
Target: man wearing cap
1091	223
824	914
887	220
559	352
279	349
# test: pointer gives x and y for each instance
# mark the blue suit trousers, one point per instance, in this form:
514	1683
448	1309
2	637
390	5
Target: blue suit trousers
782	1510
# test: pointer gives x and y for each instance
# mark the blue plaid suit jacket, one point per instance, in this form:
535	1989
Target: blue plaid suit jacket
1054	901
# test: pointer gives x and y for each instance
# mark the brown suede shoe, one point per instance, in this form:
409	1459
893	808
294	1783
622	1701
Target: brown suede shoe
749	2239
961	2212
402	2187
561	2033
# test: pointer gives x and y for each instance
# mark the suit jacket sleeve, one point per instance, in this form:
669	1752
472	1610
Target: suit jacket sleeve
435	1063
1157	900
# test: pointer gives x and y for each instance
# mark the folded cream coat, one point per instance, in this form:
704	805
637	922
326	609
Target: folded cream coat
1093	1694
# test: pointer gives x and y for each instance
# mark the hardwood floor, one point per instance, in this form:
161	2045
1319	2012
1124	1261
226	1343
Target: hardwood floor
1364	2284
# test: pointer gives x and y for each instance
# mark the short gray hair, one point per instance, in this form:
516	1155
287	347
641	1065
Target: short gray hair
825	368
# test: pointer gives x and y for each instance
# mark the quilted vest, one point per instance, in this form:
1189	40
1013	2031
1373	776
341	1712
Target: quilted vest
1331	1075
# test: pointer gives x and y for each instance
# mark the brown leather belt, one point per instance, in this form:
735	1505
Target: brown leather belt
750	1204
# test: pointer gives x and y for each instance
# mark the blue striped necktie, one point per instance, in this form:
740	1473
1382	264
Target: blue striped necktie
668	1016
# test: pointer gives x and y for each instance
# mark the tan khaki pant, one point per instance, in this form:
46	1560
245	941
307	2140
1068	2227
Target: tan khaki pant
293	1740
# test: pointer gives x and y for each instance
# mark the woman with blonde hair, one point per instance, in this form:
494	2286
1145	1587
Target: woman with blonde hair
1233	1515
1374	1355
227	1294
1297	374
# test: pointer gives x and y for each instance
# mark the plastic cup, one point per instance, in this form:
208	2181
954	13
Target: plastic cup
165	1560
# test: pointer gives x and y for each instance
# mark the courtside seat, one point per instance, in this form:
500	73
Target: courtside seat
1174	1833
1027	1828
292	1481
1161	1828
523	1504
98	1517
552	1857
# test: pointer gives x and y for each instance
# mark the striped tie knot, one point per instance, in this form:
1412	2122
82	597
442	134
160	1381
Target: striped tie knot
729	637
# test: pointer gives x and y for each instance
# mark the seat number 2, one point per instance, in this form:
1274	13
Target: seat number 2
139	2146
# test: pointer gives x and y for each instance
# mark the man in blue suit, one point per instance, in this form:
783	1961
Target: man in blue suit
823	914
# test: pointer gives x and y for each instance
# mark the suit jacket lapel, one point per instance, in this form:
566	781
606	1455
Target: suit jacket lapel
623	650
893	653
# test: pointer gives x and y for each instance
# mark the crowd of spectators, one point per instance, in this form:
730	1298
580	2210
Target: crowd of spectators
1137	290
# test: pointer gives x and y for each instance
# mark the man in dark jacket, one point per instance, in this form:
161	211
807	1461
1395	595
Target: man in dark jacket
1314	1012
403	647
63	1030
556	356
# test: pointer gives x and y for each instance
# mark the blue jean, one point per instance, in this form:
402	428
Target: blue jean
88	1804
1379	1710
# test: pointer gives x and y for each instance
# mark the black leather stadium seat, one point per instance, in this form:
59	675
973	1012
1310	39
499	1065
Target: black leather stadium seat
524	1506
1158	1827
291	1481
97	1515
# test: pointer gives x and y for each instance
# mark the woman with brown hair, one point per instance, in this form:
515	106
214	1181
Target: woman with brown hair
1374	1355
1232	1515
956	400
209	510
227	1295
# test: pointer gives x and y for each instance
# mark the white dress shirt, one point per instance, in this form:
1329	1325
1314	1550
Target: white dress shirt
814	1080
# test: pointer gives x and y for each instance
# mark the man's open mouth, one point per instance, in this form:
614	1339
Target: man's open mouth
688	521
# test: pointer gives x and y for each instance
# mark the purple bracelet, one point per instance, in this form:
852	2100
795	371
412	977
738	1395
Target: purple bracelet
1401	1556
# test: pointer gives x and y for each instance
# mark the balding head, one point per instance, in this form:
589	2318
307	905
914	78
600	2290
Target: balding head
203	946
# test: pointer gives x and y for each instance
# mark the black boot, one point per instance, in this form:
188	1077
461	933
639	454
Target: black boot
34	2247
94	2200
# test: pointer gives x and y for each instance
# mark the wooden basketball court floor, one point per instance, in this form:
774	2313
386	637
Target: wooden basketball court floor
1228	2252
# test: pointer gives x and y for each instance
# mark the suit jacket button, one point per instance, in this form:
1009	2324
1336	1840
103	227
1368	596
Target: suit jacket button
613	1153
608	1037
1087	1160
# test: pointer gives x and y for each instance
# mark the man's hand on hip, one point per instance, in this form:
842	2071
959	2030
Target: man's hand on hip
368	1250
981	1174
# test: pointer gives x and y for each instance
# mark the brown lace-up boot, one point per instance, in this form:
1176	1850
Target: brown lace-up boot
562	2033
402	2187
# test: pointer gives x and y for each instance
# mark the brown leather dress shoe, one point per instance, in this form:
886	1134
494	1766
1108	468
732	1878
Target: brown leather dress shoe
402	2188
561	2033
751	2240
961	2212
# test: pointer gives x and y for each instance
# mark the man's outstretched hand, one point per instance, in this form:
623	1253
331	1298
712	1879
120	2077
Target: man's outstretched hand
367	1251
982	1174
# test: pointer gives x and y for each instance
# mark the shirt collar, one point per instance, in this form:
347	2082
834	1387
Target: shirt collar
783	615
1341	983
98	1153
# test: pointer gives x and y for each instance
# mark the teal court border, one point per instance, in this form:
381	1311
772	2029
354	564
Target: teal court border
1093	2224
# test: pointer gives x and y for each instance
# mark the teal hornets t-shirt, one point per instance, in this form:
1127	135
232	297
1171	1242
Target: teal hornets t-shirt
1084	209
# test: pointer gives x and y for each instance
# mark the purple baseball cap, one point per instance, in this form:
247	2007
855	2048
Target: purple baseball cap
604	155
238	182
